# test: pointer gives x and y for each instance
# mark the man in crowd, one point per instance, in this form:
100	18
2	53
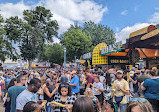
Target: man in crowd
75	83
14	91
120	89
28	94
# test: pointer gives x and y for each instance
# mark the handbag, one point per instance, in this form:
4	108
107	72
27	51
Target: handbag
118	99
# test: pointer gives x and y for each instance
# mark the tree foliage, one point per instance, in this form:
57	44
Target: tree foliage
6	48
54	53
76	43
99	33
32	31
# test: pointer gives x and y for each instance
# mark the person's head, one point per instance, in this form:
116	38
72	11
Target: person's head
137	73
142	70
97	79
64	89
110	106
21	79
32	107
36	75
153	74
139	105
83	104
89	92
34	85
119	74
49	82
131	73
12	83
9	75
111	71
43	80
74	73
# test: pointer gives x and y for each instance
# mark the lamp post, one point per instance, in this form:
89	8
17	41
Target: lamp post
64	57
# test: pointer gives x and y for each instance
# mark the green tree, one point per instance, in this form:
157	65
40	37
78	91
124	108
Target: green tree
76	43
6	48
99	33
54	53
32	31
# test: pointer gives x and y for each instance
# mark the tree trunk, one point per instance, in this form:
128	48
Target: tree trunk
30	61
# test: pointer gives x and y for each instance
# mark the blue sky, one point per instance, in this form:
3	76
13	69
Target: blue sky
123	16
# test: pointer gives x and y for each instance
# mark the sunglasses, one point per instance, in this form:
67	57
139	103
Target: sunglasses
63	85
138	99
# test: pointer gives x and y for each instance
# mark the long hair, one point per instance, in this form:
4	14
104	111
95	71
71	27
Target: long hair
144	106
108	79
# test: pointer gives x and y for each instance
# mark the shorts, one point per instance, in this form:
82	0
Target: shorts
99	97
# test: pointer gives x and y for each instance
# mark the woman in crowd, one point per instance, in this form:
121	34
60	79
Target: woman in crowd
83	104
65	97
139	105
96	103
49	91
109	106
151	89
98	89
107	87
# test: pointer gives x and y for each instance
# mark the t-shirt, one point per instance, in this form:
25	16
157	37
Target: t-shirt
75	80
152	88
98	85
25	97
13	92
124	84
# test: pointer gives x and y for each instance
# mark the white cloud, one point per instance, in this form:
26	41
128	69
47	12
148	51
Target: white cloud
125	32
66	12
10	9
155	18
125	12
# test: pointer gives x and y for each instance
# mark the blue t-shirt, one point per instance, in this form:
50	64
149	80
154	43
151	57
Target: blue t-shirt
75	80
152	88
13	92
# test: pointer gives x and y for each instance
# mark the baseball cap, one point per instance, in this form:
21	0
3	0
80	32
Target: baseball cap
120	71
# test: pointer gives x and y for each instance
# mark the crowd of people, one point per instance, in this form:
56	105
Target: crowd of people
78	90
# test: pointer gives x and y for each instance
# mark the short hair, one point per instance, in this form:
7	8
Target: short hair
69	88
30	106
19	78
83	104
34	81
153	73
144	106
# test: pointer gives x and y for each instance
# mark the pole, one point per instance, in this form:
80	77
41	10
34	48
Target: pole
75	63
64	57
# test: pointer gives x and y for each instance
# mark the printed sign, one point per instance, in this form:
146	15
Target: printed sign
111	48
118	60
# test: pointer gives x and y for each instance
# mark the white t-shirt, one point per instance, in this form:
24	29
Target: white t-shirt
98	85
25	97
